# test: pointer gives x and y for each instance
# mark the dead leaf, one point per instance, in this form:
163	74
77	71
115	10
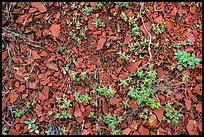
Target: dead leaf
55	30
13	97
126	131
52	66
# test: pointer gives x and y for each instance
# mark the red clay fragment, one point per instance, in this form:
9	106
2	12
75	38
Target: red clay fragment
101	42
39	5
35	55
126	131
55	30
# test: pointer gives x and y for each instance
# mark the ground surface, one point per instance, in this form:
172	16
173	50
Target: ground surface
102	67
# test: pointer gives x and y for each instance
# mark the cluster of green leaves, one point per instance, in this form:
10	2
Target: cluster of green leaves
123	56
97	22
69	61
74	76
99	5
171	113
131	21
144	114
32	126
125	104
4	131
185	59
144	41
60	49
177	45
21	5
80	98
105	91
86	10
125	82
185	77
158	29
63	102
122	4
112	121
144	92
18	112
65	115
83	75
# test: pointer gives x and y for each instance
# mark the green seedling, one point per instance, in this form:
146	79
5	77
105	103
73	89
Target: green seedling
83	75
74	76
97	22
105	91
123	56
122	4
185	77
32	127
185	59
86	10
65	115
125	104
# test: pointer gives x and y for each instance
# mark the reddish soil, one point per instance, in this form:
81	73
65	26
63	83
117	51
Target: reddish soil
40	38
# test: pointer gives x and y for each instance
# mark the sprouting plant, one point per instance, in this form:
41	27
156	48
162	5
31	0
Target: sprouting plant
32	127
177	45
125	82
21	5
95	103
185	59
144	41
17	112
132	47
105	91
185	77
78	25
131	21
171	113
66	103
158	29
60	49
97	22
125	104
99	5
139	72
69	23
64	130
74	76
87	10
73	6
76	95
4	131
182	3
65	115
116	131
83	75
122	4
136	30
123	56
85	97
92	115
123	16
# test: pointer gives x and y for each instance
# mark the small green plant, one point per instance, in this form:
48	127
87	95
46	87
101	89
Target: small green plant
69	23
64	130
4	131
99	5
185	59
132	47
32	127
105	91
65	115
74	76
125	82
136	30
17	112
97	22
185	77
177	45
122	4
123	56
144	114
63	102
86	10
123	16
125	104
60	49
112	120
83	75
85	97
21	5
92	115
171	113
182	3
158	29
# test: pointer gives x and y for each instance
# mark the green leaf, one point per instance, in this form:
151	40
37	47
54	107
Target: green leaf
176	45
180	67
29	126
27	122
